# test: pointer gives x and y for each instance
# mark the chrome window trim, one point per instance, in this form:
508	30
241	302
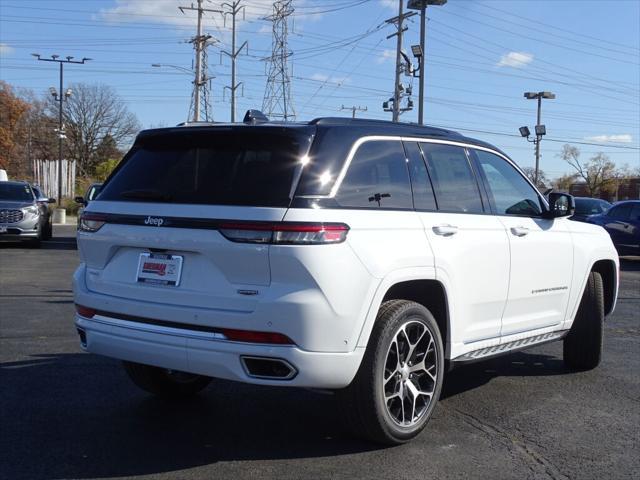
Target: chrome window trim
373	138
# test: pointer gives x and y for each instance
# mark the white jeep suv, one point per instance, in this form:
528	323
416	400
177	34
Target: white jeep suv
360	256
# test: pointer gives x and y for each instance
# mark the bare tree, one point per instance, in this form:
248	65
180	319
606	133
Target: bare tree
599	172
92	114
564	182
543	181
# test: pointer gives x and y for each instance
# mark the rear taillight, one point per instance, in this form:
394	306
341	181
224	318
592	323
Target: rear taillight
91	222
285	233
85	312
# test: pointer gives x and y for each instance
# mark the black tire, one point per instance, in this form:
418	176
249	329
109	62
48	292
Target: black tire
367	412
48	231
582	347
165	383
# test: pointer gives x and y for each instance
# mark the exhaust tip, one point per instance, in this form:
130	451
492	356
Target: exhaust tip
83	338
268	368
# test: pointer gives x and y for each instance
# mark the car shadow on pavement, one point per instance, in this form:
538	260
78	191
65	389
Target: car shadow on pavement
519	364
79	416
56	243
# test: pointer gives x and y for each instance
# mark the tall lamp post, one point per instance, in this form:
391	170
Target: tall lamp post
422	6
539	128
60	98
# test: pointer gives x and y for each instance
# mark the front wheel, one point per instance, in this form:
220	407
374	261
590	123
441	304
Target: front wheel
582	348
165	383
399	381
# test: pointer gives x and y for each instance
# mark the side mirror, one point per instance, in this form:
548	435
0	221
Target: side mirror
80	200
51	200
560	205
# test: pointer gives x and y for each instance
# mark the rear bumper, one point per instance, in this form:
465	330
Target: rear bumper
204	354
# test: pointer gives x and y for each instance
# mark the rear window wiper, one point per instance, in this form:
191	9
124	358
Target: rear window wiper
148	194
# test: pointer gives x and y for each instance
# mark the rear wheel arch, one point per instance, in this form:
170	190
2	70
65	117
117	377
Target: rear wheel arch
607	270
432	295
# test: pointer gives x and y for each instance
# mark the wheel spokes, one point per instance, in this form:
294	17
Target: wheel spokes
410	375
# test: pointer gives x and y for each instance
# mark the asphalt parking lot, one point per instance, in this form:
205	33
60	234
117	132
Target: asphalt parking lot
68	414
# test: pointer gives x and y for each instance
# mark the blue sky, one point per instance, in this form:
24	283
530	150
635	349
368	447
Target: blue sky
481	56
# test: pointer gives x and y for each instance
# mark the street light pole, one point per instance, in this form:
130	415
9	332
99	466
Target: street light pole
422	6
60	96
539	129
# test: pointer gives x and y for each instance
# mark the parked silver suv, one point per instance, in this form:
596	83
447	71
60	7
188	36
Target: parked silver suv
21	214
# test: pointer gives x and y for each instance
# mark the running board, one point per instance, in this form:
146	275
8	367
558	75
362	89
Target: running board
510	347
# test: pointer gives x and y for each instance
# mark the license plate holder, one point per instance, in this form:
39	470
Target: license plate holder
162	269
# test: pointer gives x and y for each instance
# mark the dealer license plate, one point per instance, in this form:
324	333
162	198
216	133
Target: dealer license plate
3	229
159	269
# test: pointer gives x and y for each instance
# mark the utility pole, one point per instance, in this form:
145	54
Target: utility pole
200	95
60	97
540	129
234	9
354	109
422	6
277	95
398	89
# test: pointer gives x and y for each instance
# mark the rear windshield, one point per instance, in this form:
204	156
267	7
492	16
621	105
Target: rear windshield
212	168
15	191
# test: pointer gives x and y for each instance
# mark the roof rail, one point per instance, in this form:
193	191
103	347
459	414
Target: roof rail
253	117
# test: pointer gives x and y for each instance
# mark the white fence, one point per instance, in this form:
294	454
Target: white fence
46	175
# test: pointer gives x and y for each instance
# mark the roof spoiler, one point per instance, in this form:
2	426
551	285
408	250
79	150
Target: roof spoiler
253	117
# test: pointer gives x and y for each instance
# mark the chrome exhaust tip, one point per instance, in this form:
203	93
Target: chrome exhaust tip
267	368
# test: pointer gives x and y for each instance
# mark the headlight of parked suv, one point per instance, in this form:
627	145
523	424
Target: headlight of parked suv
31	211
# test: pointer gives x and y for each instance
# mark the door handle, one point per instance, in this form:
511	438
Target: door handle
445	230
519	231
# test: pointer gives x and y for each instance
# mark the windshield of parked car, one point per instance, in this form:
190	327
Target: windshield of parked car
18	192
226	167
590	206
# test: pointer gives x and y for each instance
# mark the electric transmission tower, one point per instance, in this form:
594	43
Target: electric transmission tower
200	107
277	95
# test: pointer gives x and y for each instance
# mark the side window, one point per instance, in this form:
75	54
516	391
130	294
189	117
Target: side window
635	212
454	182
510	192
377	177
423	198
621	212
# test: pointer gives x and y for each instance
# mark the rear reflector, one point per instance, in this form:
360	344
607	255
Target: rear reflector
85	311
285	233
250	336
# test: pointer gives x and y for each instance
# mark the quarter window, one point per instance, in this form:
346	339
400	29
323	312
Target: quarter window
377	177
510	193
453	180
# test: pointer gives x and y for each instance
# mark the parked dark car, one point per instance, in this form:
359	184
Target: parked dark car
622	221
90	194
586	206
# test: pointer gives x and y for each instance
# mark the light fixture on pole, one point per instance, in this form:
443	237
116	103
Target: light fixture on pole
422	6
60	98
540	129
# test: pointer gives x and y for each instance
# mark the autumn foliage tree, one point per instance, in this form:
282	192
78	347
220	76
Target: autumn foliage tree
12	112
